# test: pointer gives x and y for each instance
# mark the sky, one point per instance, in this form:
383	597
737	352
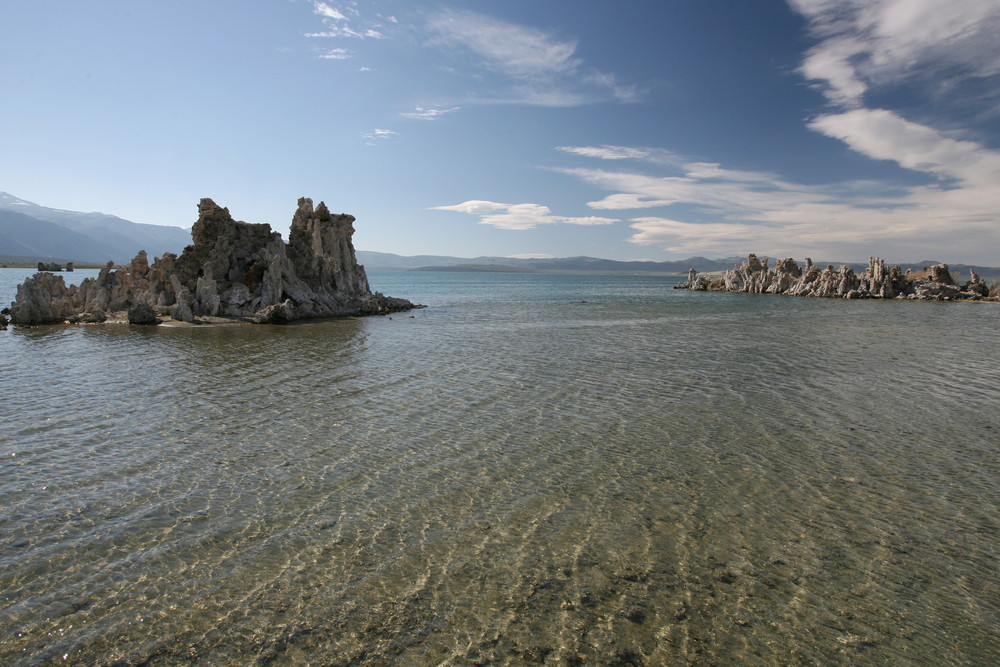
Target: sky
644	129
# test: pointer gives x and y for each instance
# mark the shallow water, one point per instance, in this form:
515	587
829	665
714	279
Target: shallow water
535	469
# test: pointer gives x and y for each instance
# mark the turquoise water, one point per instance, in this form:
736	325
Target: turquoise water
535	469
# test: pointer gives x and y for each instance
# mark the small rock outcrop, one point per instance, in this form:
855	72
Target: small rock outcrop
42	266
233	270
876	282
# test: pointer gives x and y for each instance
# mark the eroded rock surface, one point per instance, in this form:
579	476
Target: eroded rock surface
876	282
232	269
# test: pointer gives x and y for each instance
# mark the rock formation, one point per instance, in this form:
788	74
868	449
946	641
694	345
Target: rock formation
232	270
876	282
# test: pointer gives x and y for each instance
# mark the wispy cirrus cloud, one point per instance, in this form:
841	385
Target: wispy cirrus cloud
336	54
508	48
539	67
343	22
501	62
883	135
519	216
607	152
378	134
870	43
428	113
327	11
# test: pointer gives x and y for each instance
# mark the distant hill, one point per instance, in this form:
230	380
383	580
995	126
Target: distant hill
30	230
381	261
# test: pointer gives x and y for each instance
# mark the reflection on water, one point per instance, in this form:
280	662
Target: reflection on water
536	469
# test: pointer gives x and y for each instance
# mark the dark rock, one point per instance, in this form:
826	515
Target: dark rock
54	267
142	313
279	313
95	317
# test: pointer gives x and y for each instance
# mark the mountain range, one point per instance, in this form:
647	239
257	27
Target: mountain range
381	261
31	233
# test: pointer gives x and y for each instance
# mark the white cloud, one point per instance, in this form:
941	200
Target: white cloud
519	216
532	255
425	113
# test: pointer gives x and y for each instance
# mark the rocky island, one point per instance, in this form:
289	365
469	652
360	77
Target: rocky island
876	282
233	270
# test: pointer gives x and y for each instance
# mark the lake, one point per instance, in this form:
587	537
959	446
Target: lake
535	469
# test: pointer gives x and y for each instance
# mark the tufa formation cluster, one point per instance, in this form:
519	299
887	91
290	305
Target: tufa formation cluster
232	270
876	282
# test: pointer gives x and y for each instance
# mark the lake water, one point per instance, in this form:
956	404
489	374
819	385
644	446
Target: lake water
594	470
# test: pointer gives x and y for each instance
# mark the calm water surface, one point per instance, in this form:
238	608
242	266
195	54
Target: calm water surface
565	470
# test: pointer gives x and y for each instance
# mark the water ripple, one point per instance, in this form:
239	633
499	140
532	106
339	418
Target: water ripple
513	476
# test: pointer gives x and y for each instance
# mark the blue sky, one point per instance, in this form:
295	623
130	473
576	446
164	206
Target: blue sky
646	129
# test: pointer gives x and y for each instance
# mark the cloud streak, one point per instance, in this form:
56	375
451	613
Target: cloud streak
378	134
428	113
519	216
733	211
607	152
339	24
540	68
882	135
866	43
336	54
514	50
